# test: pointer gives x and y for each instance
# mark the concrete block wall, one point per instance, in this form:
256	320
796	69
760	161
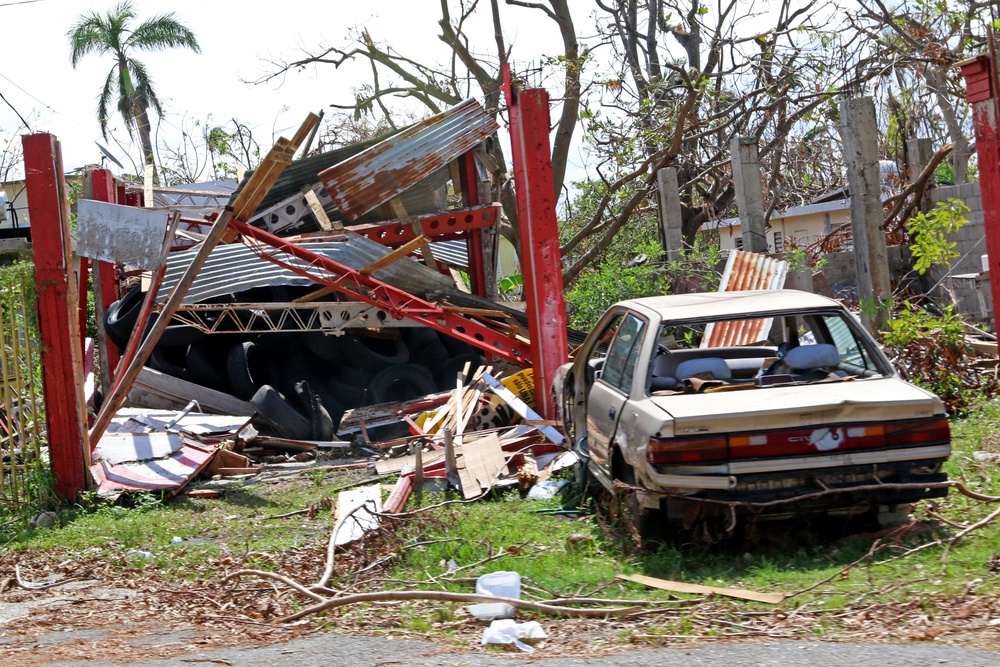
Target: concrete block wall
970	245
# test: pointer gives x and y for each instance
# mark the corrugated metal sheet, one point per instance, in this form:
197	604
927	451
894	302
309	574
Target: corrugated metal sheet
373	177
746	271
234	267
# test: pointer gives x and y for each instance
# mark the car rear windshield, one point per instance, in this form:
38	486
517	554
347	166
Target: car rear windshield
833	345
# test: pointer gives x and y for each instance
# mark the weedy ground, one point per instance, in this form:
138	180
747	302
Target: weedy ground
159	564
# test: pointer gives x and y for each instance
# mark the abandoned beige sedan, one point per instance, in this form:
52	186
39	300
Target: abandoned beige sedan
748	403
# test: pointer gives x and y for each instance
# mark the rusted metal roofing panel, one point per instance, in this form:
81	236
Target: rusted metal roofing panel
746	271
376	175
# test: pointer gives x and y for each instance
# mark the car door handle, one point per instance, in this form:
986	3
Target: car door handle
611	412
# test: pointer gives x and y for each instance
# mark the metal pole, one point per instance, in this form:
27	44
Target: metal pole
981	93
539	235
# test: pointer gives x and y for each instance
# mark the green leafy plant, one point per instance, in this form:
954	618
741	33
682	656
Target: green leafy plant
932	352
929	231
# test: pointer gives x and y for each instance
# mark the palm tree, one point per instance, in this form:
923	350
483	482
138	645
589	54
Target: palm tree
128	84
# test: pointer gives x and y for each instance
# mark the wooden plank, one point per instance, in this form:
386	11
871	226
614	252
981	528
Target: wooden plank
425	248
400	463
698	589
316	207
153	389
393	255
485	460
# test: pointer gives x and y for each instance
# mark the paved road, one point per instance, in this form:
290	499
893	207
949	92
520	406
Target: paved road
330	650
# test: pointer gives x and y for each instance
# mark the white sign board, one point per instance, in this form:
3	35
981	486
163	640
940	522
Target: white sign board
126	234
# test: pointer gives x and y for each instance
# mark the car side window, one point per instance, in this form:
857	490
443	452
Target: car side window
619	366
852	352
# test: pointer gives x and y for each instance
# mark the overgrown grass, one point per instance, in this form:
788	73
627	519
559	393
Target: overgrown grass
557	555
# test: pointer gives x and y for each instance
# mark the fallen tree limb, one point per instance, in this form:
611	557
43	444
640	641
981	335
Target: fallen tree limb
263	574
41	586
445	596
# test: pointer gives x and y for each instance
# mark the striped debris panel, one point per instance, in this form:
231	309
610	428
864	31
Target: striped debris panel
745	271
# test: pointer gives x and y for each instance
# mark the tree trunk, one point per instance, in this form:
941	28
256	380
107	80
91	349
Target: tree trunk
142	124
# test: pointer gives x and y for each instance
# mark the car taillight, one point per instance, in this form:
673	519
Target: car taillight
917	432
667	451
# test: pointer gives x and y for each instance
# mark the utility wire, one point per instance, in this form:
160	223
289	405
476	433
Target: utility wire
15	110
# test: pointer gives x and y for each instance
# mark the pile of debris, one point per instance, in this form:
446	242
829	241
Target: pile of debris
323	305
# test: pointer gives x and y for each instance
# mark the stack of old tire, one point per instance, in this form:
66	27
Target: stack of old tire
302	382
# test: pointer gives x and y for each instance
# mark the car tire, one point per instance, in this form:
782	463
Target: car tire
374	354
208	362
457	347
447	372
430	356
324	346
319	417
246	369
172	361
642	529
281	415
121	316
402	382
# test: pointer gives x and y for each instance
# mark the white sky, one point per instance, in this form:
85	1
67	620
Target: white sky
36	76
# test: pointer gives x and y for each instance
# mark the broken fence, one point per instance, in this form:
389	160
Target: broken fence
23	465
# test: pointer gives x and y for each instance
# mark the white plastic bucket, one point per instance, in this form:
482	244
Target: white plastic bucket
501	584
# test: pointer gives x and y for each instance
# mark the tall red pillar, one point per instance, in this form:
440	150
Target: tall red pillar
541	261
56	291
105	189
981	92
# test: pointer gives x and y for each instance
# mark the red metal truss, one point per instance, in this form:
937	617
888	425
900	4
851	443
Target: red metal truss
395	301
452	225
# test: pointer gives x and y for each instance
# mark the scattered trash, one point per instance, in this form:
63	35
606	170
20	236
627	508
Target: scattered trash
508	631
137	553
500	584
546	490
491	611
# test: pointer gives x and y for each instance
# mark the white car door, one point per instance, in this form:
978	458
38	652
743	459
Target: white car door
611	388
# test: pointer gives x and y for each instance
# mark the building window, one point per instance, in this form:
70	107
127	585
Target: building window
739	243
779	244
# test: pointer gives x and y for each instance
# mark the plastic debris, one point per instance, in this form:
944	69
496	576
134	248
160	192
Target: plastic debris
546	490
507	631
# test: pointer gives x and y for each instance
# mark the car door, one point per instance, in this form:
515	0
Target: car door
613	385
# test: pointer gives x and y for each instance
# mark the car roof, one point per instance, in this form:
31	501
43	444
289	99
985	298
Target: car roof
711	305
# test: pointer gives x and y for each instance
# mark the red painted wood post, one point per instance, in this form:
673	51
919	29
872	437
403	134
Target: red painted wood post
541	261
105	189
62	366
980	78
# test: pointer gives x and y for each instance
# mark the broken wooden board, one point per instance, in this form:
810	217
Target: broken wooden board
698	589
386	413
401	463
153	389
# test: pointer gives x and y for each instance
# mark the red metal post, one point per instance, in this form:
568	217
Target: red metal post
470	194
541	261
981	91
105	189
62	364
